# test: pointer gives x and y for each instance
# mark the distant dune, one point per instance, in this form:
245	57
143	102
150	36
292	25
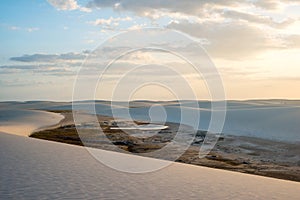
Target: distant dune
268	119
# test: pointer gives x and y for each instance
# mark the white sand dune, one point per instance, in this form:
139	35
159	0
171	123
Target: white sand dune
24	122
38	169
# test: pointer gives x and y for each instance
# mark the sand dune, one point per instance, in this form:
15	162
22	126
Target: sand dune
24	122
37	169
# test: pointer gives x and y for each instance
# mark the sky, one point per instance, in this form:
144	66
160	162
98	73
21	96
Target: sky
254	45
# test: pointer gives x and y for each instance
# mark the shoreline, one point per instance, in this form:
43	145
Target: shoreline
235	153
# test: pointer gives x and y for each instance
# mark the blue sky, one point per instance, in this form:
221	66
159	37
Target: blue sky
254	44
57	31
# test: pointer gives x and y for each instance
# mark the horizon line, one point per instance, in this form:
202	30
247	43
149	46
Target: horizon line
136	100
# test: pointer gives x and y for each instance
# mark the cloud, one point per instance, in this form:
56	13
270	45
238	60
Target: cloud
90	41
284	78
143	8
67	5
199	11
64	4
256	18
22	67
137	26
110	23
29	29
65	64
267	4
272	4
293	41
189	7
21	83
233	29
33	29
46	69
228	40
203	10
14	28
50	57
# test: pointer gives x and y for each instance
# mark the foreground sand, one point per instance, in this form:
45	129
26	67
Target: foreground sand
39	169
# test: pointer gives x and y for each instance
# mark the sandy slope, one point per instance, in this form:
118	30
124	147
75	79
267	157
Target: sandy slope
24	122
37	169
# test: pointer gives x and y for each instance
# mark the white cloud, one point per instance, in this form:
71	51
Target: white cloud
14	28
137	26
85	9
32	29
292	41
233	28
67	5
28	29
188	7
257	18
145	7
64	4
110	21
90	41
232	40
